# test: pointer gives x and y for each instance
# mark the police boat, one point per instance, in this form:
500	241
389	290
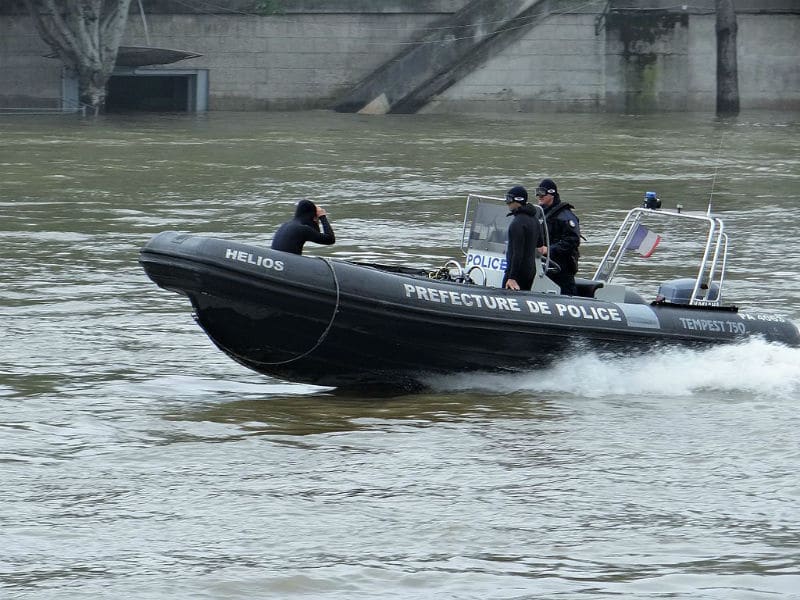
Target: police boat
340	323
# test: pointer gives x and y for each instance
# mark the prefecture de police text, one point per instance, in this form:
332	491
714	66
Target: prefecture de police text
541	307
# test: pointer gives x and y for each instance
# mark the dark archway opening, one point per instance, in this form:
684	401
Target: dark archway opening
156	93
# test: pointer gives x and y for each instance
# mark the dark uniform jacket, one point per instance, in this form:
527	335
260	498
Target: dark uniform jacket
523	239
565	236
291	236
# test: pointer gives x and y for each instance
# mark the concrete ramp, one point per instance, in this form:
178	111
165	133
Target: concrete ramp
453	48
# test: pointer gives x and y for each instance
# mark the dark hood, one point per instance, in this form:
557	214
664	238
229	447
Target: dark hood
525	209
306	211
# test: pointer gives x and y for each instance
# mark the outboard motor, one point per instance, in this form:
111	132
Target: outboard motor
679	291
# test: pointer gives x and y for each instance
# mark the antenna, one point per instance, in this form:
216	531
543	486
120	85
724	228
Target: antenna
716	169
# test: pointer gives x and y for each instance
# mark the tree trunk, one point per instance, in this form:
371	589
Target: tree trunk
85	34
727	68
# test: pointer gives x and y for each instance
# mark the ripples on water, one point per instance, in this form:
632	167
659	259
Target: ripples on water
140	462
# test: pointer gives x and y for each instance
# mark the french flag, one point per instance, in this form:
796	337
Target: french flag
643	241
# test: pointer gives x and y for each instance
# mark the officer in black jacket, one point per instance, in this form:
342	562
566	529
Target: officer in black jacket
291	236
565	236
523	239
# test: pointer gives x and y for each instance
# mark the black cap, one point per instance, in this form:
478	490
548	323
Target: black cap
517	194
546	186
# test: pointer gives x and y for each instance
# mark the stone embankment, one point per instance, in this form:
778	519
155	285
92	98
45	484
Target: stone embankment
439	55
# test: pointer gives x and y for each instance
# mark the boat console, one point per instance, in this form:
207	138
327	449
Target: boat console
483	243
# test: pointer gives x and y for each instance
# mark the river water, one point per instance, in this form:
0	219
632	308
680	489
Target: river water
138	461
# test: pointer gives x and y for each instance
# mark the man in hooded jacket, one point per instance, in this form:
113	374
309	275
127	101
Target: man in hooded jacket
304	227
523	239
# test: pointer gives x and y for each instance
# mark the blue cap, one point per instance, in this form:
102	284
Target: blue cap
650	195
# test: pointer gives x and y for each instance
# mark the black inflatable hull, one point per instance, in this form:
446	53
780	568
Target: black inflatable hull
337	323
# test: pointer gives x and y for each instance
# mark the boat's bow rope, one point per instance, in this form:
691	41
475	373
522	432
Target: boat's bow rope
324	334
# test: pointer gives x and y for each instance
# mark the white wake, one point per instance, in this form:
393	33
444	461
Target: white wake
754	368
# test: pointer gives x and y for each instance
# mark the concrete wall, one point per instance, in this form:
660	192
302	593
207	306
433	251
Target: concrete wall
303	58
773	62
665	62
27	79
282	62
647	61
310	55
558	65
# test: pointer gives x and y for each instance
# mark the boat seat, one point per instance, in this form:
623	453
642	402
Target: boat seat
587	287
619	293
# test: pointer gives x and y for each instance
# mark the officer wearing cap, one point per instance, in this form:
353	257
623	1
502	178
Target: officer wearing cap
523	238
565	236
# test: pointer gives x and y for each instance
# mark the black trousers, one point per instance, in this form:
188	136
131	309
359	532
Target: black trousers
566	281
